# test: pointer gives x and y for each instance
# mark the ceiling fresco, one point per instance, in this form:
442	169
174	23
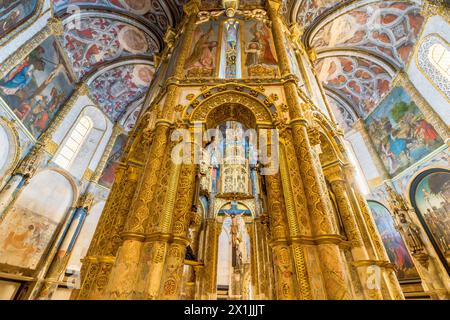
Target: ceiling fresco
115	89
349	35
93	41
111	31
343	116
306	11
157	13
389	29
361	82
103	39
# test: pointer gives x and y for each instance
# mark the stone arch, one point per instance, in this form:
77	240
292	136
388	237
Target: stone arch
331	144
9	148
241	106
433	184
41	208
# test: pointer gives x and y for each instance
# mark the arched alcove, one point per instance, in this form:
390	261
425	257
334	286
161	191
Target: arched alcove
34	219
9	149
429	195
79	147
393	242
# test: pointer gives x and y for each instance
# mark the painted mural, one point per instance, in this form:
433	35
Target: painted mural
309	10
343	117
292	58
398	25
202	61
28	229
393	242
217	4
360	81
109	173
15	12
432	198
116	88
260	57
152	10
400	132
94	40
36	88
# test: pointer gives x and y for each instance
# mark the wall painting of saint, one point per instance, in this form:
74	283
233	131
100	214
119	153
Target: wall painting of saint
109	173
400	132
202	60
430	195
393	242
15	12
37	87
259	51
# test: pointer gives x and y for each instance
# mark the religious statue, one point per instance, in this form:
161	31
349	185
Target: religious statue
235	242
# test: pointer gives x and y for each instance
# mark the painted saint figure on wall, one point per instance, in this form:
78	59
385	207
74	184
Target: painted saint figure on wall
260	59
202	60
432	198
109	173
393	242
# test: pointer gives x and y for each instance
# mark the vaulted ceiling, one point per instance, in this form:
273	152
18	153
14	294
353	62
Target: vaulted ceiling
110	44
360	45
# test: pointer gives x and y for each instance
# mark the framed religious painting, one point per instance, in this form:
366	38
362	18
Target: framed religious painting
202	61
36	88
400	132
14	13
393	242
430	197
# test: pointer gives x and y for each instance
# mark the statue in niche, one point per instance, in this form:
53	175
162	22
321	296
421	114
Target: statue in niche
236	240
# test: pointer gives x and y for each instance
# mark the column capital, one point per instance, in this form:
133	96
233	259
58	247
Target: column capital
436	8
192	7
274	4
56	26
85	201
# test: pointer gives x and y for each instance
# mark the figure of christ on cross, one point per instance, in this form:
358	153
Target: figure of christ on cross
236	237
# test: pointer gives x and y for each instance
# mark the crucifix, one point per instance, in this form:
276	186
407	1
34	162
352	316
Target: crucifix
236	238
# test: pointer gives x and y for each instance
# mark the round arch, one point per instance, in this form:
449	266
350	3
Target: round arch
9	148
241	106
430	203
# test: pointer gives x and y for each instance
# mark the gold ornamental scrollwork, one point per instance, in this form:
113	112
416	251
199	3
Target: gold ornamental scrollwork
204	108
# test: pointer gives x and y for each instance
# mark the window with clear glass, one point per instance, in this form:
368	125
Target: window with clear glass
73	143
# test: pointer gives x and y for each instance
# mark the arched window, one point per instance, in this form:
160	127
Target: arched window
440	57
433	59
74	142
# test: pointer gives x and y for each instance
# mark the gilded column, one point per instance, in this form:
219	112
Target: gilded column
284	269
360	256
181	219
208	275
428	111
388	273
173	90
435	8
297	217
106	241
122	282
316	191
